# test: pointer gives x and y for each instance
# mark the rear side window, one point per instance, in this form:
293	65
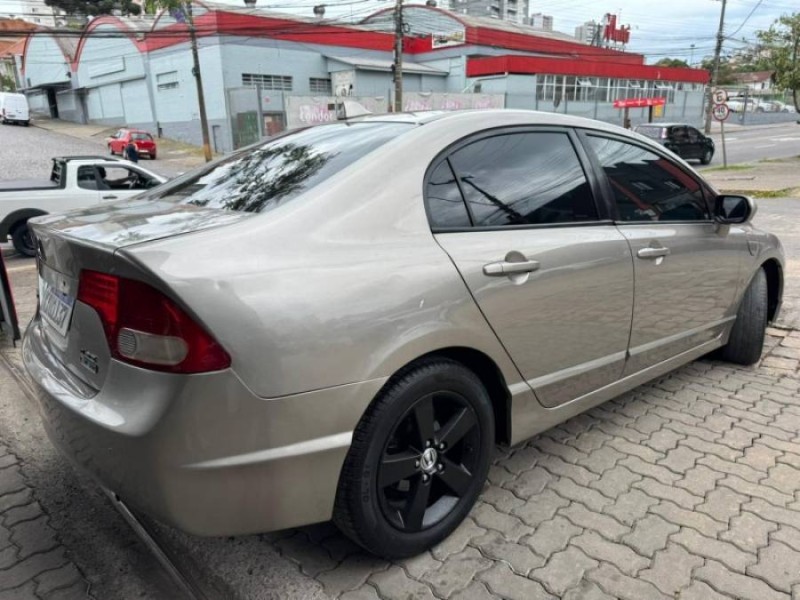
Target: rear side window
651	132
647	186
446	206
523	179
267	175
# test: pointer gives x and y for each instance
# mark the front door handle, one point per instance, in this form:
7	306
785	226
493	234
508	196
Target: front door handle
500	269
652	252
110	197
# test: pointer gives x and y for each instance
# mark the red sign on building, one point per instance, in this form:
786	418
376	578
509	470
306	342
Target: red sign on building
639	102
612	33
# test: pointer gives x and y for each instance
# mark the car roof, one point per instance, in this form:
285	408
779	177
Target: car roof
87	157
666	125
491	117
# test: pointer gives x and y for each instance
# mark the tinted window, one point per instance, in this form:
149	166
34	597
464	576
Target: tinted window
524	179
445	203
87	178
267	175
651	132
146	137
648	187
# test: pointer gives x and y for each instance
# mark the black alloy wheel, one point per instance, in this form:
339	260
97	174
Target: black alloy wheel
429	461
418	459
22	239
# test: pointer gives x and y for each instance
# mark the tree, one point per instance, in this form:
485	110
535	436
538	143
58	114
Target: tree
782	41
93	8
672	62
726	72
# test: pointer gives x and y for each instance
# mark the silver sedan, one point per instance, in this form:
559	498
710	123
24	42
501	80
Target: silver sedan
342	322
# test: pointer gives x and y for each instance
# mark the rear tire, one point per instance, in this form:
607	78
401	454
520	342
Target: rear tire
153	156
22	238
397	495
26	123
747	336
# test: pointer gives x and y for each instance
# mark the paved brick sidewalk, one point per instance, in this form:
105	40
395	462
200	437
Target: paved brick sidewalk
687	488
33	563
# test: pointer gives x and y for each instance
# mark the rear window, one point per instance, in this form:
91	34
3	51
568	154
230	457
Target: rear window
142	137
267	175
651	132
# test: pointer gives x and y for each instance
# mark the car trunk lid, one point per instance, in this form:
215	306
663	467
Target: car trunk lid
88	240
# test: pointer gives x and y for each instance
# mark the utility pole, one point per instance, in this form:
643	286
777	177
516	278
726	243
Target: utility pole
398	56
715	72
201	100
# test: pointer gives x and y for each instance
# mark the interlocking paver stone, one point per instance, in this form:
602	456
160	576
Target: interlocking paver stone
788	535
726	553
722	504
620	555
735	584
530	483
458	540
765	510
650	534
488	517
564	570
592	499
702	591
674	494
551	536
457	571
672	569
350	574
703	446
57	578
518	555
33	536
621	586
474	591
748	532
586	590
394	584
779	565
615	482
699	480
664	440
365	592
603	524
783	478
12	499
540	508
681	459
506	584
652	470
630	506
601	460
756	490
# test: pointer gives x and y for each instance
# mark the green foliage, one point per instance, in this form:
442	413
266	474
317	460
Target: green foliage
672	62
93	8
726	70
7	83
782	41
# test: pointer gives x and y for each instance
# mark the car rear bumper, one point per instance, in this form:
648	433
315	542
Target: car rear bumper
201	453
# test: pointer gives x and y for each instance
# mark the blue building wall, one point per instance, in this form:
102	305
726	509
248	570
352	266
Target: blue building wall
49	66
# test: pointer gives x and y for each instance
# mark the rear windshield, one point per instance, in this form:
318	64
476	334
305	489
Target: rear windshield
269	174
651	132
142	137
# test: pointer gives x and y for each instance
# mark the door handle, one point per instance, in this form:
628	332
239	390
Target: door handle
652	252
110	197
499	269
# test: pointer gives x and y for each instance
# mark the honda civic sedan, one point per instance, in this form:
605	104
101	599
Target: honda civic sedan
343	321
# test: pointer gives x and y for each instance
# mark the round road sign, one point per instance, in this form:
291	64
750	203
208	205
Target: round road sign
721	112
720	96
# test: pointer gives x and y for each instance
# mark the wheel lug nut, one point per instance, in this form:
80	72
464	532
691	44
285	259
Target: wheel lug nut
416	463
440	466
425	477
442	446
428	444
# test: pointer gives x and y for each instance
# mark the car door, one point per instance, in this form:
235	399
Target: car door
686	266
516	213
696	147
87	190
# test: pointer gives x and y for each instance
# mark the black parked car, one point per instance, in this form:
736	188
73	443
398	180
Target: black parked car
684	140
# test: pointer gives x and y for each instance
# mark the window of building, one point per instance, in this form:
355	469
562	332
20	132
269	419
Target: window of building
278	83
167	81
648	187
523	179
318	85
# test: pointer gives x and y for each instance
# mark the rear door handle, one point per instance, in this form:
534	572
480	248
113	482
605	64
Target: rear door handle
652	252
110	197
500	269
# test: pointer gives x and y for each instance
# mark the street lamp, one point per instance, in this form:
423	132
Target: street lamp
691	56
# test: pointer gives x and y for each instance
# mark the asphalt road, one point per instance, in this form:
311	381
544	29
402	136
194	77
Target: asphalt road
757	143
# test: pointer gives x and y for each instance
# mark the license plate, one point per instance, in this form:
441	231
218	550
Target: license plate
55	307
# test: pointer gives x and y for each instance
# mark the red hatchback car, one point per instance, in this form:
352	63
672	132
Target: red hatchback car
143	141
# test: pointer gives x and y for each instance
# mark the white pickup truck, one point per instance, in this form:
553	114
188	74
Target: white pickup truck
75	182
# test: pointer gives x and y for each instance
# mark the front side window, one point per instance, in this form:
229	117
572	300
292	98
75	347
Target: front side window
646	186
122	178
523	179
267	175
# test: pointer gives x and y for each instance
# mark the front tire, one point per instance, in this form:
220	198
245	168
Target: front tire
707	156
22	238
747	336
418	460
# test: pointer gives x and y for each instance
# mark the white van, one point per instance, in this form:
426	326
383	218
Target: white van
14	108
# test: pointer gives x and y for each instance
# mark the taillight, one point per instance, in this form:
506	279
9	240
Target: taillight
147	329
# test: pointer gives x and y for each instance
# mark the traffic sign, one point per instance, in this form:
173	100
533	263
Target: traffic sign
720	96
721	112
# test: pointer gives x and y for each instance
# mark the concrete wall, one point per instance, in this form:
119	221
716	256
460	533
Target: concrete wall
45	62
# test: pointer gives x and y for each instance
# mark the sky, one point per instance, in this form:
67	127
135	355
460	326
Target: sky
659	28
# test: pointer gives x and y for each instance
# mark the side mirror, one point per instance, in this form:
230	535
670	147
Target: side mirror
731	210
